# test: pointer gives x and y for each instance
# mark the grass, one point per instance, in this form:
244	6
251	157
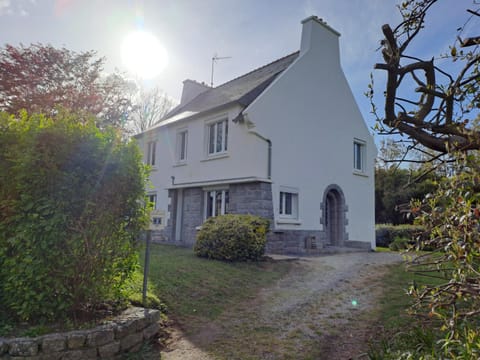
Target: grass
402	331
196	288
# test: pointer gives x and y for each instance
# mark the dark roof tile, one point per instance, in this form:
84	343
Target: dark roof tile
243	89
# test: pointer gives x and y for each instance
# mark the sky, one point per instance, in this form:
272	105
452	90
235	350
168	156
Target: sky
251	33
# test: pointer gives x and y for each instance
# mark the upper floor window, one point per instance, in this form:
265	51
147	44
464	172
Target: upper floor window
217	137
151	152
216	202
359	155
288	205
182	137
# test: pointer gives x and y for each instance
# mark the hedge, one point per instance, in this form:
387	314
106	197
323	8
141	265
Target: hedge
385	234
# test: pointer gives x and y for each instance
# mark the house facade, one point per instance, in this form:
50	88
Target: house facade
286	142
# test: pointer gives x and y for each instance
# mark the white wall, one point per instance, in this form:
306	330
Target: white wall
311	117
247	155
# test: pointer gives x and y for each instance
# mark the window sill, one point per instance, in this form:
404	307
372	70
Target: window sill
359	173
215	157
183	163
289	222
153	168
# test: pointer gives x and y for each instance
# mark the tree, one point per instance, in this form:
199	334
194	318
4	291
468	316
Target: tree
150	107
444	115
41	78
394	189
444	118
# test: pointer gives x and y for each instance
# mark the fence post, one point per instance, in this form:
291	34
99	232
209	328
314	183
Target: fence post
146	267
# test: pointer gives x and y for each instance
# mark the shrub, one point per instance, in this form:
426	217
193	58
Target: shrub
399	243
232	237
70	211
385	234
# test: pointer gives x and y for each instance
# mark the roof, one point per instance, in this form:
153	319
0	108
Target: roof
241	90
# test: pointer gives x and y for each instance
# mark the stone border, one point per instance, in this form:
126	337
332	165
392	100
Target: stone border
126	333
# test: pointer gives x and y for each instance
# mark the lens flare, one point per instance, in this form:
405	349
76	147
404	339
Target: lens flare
143	55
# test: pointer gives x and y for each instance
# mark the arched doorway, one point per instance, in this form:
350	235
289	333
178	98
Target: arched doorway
334	216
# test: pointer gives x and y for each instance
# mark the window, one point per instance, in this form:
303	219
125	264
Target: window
152	199
217	137
216	203
182	137
359	156
151	152
288	205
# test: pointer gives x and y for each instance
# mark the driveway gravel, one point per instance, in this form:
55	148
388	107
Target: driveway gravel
324	308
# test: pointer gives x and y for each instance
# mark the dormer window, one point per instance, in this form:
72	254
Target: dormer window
217	133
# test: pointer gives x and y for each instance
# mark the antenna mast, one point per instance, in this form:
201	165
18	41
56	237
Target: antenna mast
215	58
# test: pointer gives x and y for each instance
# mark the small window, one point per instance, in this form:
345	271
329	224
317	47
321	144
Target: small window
359	156
217	137
151	152
216	203
182	137
152	199
288	205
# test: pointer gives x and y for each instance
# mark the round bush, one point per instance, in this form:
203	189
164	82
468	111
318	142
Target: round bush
232	237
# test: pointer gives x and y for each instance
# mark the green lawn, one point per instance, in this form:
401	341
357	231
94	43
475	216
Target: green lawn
402	330
196	288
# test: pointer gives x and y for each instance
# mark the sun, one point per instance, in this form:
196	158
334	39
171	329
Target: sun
143	55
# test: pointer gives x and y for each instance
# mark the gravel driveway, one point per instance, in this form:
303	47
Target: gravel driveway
323	309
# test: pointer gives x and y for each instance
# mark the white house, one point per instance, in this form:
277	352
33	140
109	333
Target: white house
285	141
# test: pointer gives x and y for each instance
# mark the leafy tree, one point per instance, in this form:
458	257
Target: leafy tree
451	216
150	107
444	118
395	188
41	78
71	207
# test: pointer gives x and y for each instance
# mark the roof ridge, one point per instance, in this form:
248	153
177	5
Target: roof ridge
257	69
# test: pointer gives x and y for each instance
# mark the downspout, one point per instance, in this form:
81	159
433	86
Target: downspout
269	161
241	118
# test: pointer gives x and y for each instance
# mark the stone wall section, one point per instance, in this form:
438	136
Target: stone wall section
251	198
295	242
126	333
192	215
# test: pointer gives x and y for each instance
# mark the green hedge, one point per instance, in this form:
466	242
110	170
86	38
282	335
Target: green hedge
232	237
385	234
71	206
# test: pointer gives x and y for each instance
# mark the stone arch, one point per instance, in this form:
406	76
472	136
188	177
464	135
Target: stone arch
334	216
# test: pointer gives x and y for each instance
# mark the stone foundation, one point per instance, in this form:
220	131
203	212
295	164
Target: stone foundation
126	333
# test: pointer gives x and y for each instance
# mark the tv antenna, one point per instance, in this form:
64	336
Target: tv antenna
215	58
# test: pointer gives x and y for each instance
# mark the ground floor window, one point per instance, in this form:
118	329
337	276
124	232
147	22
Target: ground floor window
288	204
152	199
216	202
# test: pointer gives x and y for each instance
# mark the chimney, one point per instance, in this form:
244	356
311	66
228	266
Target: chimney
318	36
191	89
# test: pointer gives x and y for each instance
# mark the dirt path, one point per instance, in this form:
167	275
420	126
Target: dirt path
323	309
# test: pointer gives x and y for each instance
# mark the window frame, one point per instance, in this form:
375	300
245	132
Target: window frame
153	196
293	203
182	145
151	152
212	145
359	149
224	202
